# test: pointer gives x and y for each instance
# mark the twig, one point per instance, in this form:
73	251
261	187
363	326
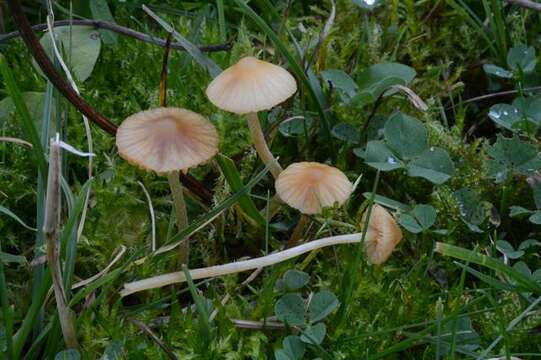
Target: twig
156	339
527	4
106	25
80	104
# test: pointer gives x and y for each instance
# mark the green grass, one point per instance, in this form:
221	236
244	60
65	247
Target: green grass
459	300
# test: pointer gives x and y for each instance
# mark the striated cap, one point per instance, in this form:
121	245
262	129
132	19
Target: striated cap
382	236
166	139
251	85
311	186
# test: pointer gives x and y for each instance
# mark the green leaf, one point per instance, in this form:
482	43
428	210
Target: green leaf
379	156
390	203
321	305
379	77
290	309
535	218
341	81
472	210
298	125
346	132
25	119
410	223
314	334
234	180
516	211
10	258
434	164
9	213
100	11
293	349
295	279
70	354
83	45
529	108
505	115
425	214
512	155
405	135
507	249
497	71
522	57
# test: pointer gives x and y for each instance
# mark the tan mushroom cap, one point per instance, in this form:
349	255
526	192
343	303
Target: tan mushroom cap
251	85
311	186
166	139
382	236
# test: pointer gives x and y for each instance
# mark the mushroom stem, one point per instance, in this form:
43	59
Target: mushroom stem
298	232
240	266
180	212
261	144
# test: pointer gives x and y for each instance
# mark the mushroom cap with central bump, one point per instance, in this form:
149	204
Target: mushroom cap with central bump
382	236
166	139
311	186
251	85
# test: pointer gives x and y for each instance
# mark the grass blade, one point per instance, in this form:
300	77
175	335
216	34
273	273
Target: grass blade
24	115
6	311
491	263
193	50
234	180
68	238
204	325
221	20
6	211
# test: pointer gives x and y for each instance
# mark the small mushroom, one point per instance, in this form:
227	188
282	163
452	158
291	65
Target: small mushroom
309	187
250	86
382	236
168	140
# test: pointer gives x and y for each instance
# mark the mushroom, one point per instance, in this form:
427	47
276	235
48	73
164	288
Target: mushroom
168	140
250	86
309	187
382	235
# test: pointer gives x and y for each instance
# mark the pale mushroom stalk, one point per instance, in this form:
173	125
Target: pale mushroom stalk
258	137
240	266
181	212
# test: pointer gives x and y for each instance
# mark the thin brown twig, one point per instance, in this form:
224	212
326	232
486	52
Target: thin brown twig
141	325
77	101
106	25
527	4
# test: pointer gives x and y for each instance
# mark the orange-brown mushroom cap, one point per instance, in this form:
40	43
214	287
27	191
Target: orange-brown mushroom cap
167	139
251	85
382	236
310	186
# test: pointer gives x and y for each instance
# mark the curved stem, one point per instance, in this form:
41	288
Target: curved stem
240	266
106	25
180	212
261	144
